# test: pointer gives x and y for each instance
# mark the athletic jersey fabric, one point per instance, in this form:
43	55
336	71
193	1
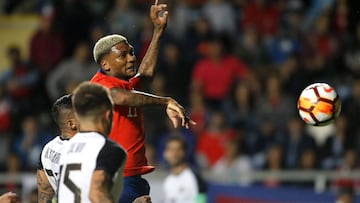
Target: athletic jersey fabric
82	155
49	160
128	126
183	188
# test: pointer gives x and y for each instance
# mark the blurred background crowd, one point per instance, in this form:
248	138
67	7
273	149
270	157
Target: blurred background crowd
237	66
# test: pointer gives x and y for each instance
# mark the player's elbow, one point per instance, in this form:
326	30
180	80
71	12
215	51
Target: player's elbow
99	197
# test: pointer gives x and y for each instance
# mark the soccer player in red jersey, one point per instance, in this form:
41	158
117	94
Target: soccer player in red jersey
118	73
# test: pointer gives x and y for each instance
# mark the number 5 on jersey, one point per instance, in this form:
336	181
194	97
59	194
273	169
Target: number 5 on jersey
68	182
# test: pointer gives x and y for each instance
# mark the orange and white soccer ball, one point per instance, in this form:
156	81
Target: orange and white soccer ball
319	104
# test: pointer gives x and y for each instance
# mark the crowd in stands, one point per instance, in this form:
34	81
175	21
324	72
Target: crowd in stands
237	66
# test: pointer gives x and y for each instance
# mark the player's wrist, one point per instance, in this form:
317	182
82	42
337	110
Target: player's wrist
158	31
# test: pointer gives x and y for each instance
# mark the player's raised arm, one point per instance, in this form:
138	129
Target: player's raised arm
174	110
100	187
45	191
159	16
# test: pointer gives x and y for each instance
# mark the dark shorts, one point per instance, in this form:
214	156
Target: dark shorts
134	186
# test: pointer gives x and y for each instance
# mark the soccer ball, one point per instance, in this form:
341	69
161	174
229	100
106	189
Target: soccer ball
319	104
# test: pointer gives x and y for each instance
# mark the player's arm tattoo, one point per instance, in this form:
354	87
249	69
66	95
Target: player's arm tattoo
147	65
45	191
100	188
136	98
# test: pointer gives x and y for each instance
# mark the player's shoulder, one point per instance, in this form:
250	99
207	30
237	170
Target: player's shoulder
57	141
88	137
112	147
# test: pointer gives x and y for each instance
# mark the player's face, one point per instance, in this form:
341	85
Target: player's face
120	62
174	153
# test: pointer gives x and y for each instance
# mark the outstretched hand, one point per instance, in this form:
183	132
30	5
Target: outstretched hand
159	15
176	112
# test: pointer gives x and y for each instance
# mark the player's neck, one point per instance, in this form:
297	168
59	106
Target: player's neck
176	170
88	126
67	134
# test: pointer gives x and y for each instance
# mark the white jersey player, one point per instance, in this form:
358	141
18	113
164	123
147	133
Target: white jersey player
91	165
85	153
48	167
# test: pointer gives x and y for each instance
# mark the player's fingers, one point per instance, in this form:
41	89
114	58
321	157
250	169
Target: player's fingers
165	15
156	2
175	122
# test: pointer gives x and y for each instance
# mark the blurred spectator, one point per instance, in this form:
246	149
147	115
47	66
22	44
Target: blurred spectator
124	19
334	147
183	184
214	75
240	108
274	104
13	164
221	16
182	16
212	141
307	162
75	22
346	196
185	134
5	111
296	141
259	140
195	41
263	15
29	143
197	113
20	79
351	110
282	46
46	45
274	163
352	54
13	169
176	73
71	71
341	20
250	48
233	167
316	8
350	164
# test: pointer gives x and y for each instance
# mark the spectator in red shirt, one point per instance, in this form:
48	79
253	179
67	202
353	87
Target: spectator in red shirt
212	141
264	17
46	46
214	75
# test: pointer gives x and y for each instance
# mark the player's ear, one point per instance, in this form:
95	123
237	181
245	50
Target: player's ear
71	123
105	65
109	114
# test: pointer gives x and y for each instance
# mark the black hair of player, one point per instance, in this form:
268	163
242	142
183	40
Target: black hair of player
89	99
178	138
61	104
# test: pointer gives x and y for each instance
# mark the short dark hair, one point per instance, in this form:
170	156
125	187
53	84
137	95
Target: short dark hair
178	138
91	99
60	106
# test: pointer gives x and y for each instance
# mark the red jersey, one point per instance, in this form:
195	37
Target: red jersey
128	126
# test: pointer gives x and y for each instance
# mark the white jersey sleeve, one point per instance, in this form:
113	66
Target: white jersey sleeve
49	160
85	153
